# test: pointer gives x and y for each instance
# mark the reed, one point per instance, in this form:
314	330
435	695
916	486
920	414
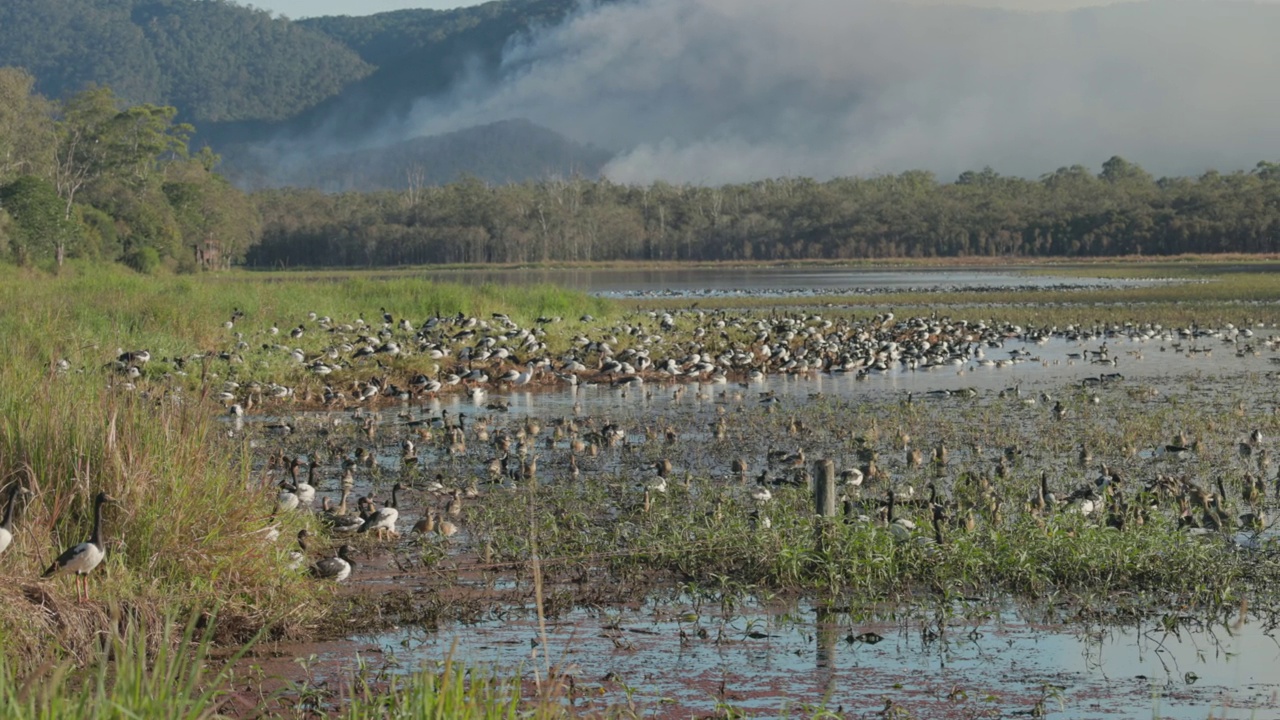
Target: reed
148	669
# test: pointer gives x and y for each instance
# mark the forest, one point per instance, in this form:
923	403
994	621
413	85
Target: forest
246	78
214	61
1070	212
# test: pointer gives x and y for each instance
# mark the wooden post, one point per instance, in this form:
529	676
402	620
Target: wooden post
824	488
824	503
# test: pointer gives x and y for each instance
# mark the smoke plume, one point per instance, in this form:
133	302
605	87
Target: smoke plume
713	91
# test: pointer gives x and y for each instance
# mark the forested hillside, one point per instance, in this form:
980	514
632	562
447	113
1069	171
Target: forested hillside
418	53
213	60
497	153
386	38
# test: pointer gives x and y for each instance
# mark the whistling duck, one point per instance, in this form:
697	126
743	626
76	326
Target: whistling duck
443	526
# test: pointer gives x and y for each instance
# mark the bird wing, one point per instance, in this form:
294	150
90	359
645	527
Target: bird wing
68	557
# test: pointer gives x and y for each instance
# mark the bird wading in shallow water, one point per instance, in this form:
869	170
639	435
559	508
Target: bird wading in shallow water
83	558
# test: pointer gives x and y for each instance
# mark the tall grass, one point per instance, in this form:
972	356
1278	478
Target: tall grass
148	670
183	533
186	530
161	669
452	691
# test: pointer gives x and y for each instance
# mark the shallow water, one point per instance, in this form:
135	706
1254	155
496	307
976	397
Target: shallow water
1047	366
768	663
772	281
998	664
1044	372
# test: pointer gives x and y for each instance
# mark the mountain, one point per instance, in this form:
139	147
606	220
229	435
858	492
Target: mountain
267	92
214	60
502	152
417	54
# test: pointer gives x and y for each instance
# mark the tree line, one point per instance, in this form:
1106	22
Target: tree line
96	178
1070	212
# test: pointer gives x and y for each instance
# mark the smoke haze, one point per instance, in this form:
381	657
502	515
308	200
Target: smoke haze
714	91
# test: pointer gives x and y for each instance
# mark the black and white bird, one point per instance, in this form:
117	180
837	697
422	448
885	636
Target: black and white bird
287	500
6	525
299	556
306	489
336	568
83	558
383	520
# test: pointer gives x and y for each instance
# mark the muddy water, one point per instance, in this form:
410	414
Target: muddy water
670	661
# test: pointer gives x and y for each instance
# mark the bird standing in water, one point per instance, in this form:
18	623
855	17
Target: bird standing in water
383	520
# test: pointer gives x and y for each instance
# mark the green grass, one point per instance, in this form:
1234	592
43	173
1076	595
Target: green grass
147	670
184	533
451	691
703	542
702	534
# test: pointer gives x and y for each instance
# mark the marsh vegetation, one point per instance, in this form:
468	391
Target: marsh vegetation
1077	454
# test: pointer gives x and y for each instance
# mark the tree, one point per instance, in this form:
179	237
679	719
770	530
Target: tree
97	141
217	220
80	153
26	132
40	227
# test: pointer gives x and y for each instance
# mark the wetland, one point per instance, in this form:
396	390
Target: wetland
1053	505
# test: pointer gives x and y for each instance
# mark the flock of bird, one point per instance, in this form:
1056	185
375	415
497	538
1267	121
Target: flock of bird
359	366
363	363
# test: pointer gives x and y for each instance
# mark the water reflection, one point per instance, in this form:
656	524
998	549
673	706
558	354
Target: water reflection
1045	366
996	663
